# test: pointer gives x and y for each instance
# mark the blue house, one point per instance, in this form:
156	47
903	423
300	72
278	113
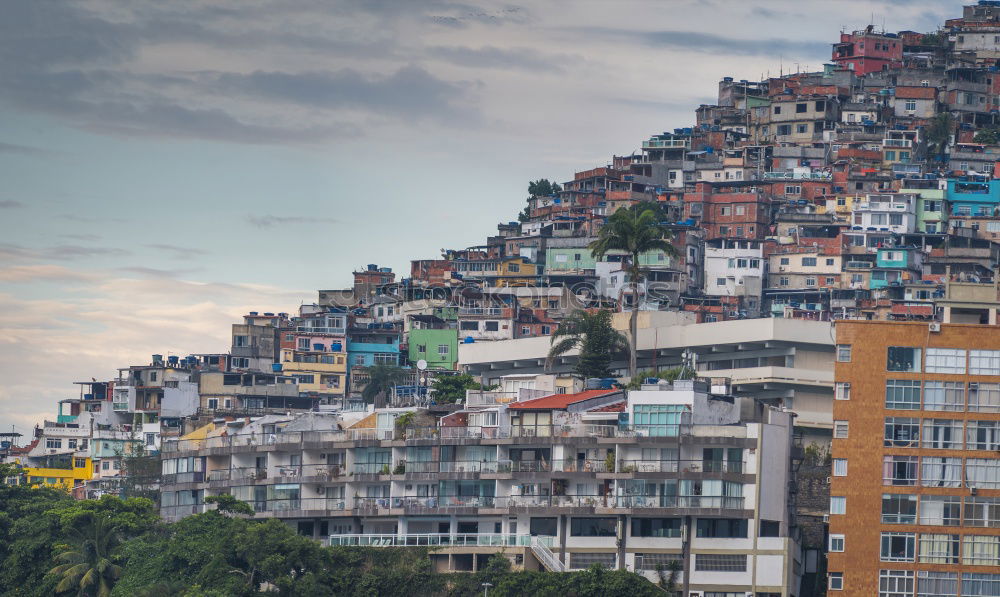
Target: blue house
373	344
973	197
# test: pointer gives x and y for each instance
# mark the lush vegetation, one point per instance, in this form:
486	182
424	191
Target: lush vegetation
596	339
542	187
381	381
451	388
51	544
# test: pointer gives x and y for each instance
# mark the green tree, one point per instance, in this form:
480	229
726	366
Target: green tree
939	133
229	504
87	564
381	381
594	336
633	231
538	188
671	375
451	388
987	136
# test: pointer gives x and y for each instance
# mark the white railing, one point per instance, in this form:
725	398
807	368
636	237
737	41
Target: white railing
545	556
439	539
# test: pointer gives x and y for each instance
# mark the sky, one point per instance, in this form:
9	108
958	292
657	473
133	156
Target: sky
166	167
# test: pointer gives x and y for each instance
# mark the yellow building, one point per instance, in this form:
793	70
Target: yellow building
62	470
841	205
320	372
515	271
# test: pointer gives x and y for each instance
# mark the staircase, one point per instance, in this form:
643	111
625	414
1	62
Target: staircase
545	556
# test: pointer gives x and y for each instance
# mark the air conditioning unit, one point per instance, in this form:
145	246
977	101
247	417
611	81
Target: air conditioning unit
934	326
321	490
826	518
973	491
828	480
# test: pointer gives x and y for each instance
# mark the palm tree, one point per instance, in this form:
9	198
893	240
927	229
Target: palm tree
597	340
381	380
939	132
86	563
634	230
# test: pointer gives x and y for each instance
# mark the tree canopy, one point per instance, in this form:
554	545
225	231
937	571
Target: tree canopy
594	336
47	538
451	388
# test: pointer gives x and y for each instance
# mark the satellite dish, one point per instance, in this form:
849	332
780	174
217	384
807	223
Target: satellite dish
421	364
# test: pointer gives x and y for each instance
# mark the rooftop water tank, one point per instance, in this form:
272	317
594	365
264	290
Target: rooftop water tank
276	367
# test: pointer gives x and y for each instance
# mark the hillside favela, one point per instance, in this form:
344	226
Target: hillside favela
756	356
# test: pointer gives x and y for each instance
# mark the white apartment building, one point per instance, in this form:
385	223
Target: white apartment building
876	219
668	473
734	268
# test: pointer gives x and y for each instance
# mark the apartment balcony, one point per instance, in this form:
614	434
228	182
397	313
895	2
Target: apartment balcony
484	311
905	143
631	468
666	144
439	540
336	331
798	176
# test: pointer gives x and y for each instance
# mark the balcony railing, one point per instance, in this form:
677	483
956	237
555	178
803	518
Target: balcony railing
424	502
497	311
673	501
897	143
524	466
680	466
666	143
469	466
438	539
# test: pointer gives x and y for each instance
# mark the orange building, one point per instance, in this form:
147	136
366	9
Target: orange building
915	488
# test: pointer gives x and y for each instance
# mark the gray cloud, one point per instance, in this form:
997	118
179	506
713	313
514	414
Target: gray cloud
59	59
84	237
21	149
10	204
152	272
710	43
525	59
269	221
178	250
58	252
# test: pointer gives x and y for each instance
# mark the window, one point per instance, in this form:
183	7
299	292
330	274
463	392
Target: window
910	105
938	549
941	510
980	550
79	463
801	108
839	467
899	470
740	210
421	348
836	581
53	443
842	390
982	512
783	261
802	128
241	341
899	508
820	105
712	562
984	397
811	281
721	528
838	504
725	210
385	358
836	543
944	395
544	526
593	527
982	473
240	363
844	353
492	326
469	326
303	344
984	362
903	358
231	380
720	281
936	584
809	262
582	561
898	547
940	472
902	394
946	360
980	585
982	435
777	109
657	561
444	350
829	261
932	205
656	527
784	129
783	281
942	434
840	429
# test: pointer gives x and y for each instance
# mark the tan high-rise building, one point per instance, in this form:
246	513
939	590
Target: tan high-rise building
915	486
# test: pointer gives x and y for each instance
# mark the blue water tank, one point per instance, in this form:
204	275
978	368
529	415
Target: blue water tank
276	367
468	340
337	347
173	360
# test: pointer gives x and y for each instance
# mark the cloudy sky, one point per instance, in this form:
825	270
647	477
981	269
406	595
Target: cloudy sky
168	166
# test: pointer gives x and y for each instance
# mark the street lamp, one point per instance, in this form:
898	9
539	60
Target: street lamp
486	588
